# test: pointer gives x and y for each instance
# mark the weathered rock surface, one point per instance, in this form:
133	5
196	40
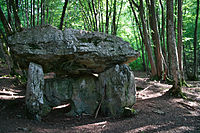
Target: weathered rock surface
117	86
35	101
80	92
69	51
114	89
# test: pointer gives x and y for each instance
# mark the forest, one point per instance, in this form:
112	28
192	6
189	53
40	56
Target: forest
144	24
166	33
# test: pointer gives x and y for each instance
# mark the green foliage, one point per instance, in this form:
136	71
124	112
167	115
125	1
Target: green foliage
77	15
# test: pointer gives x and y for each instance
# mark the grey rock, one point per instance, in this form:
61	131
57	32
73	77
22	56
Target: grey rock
117	86
69	51
35	102
80	92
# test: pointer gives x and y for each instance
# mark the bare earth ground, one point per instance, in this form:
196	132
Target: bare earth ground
156	112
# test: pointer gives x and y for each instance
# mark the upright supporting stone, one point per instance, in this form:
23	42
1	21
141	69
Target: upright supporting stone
80	92
34	92
117	86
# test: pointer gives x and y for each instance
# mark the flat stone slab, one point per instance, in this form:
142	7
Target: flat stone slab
69	51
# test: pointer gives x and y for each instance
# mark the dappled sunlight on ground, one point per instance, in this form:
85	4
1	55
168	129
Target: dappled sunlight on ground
155	112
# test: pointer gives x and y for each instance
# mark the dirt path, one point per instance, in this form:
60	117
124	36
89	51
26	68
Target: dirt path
156	112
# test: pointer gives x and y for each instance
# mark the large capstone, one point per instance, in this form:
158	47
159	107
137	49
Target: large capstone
69	51
117	88
35	102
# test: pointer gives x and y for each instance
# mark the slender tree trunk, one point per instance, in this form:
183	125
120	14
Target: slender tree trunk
63	14
31	22
163	40
119	14
6	25
114	18
95	16
180	34
107	17
41	19
38	12
195	73
27	14
156	38
17	19
33	13
176	89
92	16
47	16
147	40
144	35
9	12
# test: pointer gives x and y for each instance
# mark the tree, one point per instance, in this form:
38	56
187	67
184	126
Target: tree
176	89
63	14
6	25
147	41
155	37
195	71
180	38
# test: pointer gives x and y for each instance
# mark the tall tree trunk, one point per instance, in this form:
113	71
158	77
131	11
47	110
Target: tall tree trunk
87	17
6	25
147	40
63	14
195	73
119	14
27	12
176	89
92	15
156	38
9	12
33	13
180	34
114	18
17	19
107	17
38	12
95	15
31	22
163	40
141	34
41	19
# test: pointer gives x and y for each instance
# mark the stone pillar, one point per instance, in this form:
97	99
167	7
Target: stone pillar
35	102
117	86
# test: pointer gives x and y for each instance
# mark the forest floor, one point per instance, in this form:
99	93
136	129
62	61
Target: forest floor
156	112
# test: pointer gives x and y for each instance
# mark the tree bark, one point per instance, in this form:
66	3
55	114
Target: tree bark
144	35
95	16
114	18
195	73
63	14
147	40
156	38
27	14
9	12
176	89
17	19
38	12
33	13
6	25
180	34
107	17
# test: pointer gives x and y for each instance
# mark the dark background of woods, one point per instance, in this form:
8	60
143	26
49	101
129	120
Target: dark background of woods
166	33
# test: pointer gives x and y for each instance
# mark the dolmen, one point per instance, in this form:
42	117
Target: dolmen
89	71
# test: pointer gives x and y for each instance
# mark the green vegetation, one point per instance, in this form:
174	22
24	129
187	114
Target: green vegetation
146	25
